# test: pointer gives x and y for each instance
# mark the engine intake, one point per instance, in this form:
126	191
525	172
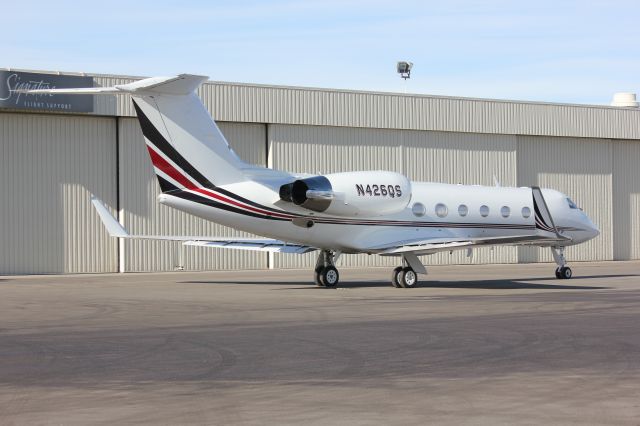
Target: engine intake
314	193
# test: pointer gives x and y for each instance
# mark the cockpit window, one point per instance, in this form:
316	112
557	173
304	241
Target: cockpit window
572	205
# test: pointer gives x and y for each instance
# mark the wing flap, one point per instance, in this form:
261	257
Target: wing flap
273	246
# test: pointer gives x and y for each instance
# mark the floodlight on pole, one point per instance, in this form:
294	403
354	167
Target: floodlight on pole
404	69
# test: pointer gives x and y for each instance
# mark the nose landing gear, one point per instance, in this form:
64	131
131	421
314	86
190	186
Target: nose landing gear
563	272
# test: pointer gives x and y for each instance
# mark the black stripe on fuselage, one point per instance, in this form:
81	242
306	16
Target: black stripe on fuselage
424	224
540	222
207	202
165	185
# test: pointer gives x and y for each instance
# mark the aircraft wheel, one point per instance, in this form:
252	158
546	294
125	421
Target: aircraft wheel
558	276
408	278
395	277
317	276
330	276
566	273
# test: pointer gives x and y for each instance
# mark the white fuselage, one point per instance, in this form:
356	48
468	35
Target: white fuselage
490	212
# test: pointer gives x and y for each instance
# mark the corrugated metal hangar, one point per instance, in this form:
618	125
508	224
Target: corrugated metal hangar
52	159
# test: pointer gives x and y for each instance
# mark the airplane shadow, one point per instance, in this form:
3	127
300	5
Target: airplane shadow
498	284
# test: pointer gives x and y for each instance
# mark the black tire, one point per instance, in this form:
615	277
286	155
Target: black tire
558	275
395	277
330	277
566	273
317	276
408	278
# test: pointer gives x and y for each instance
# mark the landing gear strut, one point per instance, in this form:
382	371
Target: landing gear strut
325	273
563	272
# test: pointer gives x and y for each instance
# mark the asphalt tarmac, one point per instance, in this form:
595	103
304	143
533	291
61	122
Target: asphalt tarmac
504	344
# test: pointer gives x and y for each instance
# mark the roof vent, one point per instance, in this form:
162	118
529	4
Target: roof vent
624	99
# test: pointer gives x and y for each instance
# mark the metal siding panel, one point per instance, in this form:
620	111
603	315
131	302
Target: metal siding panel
50	165
326	107
626	200
251	103
580	168
144	215
114	105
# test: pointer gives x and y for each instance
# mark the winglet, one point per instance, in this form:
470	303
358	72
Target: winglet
113	227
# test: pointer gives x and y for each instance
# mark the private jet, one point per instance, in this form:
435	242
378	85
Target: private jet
375	212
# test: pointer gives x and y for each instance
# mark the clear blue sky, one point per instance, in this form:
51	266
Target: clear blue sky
564	51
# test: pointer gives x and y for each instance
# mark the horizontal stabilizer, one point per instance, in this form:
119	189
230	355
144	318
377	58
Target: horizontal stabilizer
182	84
267	245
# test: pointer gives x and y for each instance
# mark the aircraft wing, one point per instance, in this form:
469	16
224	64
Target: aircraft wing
435	245
115	229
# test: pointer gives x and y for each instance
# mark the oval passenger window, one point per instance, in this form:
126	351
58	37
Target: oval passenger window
419	209
441	210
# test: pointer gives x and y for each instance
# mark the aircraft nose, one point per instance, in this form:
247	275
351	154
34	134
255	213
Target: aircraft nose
592	229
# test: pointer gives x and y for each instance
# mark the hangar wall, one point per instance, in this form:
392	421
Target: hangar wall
626	199
50	164
257	103
581	168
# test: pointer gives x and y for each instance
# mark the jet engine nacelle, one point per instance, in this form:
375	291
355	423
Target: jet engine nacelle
370	193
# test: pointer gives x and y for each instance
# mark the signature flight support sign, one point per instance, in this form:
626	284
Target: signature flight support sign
12	82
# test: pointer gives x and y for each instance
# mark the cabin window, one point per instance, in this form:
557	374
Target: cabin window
505	211
526	212
463	210
419	209
484	211
441	210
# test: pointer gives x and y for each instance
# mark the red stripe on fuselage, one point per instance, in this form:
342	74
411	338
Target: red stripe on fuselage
167	168
235	203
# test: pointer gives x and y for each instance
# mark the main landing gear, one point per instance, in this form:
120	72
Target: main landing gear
325	273
563	272
405	276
